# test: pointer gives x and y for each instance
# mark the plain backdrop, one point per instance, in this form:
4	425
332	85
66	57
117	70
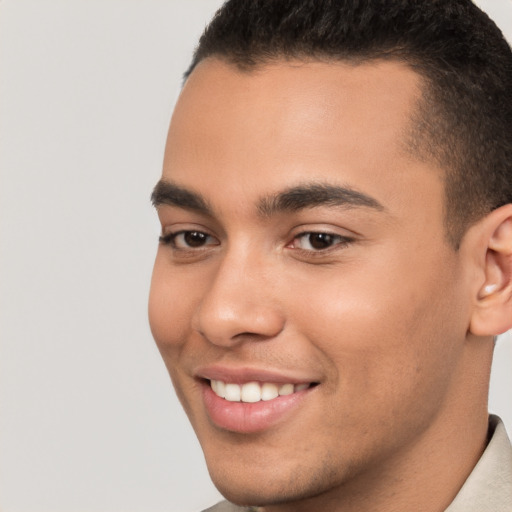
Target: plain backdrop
88	418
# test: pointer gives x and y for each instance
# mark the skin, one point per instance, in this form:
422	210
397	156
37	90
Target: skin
380	319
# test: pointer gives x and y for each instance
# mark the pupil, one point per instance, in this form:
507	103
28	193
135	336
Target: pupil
320	240
195	238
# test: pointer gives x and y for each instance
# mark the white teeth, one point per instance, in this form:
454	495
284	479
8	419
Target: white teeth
252	392
269	391
221	389
233	392
286	389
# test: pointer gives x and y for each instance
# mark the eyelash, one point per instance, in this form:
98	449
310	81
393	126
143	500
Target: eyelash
333	240
170	239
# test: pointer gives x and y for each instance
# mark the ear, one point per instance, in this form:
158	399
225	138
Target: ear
492	312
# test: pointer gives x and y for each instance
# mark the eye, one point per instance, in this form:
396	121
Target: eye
314	241
186	240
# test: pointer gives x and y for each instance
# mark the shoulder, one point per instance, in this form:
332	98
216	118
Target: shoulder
489	487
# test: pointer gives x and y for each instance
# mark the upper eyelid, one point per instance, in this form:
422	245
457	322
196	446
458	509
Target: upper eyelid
346	234
331	225
183	227
171	223
303	230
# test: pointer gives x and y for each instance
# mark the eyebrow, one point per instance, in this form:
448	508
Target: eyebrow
166	192
316	194
300	197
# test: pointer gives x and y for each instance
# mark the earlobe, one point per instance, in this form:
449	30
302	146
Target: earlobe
492	312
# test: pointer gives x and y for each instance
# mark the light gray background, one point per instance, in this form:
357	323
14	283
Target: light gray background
88	420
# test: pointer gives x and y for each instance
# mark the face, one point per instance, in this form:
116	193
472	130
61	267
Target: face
304	274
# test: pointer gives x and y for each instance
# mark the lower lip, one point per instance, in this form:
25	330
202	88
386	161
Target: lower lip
250	418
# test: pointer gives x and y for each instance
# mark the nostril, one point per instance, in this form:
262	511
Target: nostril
231	324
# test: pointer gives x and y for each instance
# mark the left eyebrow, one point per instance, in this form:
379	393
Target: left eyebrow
316	194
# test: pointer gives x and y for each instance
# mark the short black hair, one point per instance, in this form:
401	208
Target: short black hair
464	118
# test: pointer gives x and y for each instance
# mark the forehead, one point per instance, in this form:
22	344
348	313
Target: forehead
292	122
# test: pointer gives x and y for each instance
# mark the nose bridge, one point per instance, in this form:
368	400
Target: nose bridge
239	302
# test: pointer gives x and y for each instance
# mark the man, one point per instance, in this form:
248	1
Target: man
336	254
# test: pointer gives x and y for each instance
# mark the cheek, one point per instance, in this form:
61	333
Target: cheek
171	306
387	332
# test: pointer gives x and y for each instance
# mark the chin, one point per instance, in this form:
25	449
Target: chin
255	494
258	495
243	483
253	484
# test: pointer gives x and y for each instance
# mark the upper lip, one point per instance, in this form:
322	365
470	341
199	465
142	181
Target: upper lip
240	375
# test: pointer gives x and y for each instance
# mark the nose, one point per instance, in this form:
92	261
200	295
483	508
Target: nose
239	304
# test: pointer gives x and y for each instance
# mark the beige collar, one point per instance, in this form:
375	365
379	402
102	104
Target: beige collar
489	486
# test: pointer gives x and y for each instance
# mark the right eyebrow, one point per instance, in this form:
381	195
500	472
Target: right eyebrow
166	192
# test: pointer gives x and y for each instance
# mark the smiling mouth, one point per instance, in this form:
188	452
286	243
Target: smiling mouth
252	392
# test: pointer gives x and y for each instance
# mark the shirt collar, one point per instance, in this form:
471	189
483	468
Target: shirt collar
489	486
